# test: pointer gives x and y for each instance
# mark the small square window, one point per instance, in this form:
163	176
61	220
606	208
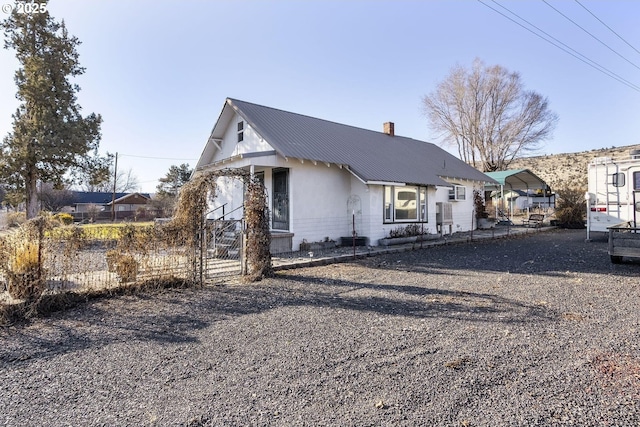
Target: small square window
458	192
240	126
461	193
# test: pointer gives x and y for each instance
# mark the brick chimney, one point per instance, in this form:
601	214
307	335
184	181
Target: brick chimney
388	128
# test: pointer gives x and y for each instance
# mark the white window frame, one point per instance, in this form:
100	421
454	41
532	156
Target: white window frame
458	192
240	131
390	196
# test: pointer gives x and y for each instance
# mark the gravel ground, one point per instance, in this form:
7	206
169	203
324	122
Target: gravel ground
540	330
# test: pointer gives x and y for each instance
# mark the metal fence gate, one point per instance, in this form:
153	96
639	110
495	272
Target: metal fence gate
223	248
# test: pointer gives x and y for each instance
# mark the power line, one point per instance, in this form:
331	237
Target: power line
610	29
568	49
156	158
594	37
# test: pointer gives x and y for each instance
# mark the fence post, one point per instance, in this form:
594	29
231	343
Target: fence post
244	259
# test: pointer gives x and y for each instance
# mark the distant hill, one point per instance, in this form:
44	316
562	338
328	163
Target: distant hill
557	169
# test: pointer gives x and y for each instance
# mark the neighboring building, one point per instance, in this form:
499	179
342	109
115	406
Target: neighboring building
523	201
325	179
126	204
129	202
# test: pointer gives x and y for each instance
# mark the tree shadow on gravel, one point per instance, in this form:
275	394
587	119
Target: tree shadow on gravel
176	317
407	300
94	328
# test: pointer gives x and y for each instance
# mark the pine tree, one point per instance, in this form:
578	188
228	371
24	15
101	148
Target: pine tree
50	140
171	183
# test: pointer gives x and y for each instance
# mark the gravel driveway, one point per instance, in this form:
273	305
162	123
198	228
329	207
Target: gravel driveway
540	330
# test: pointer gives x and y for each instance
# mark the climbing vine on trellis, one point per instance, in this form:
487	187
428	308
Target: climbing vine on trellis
193	203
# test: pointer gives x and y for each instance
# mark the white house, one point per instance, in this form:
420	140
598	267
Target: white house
325	179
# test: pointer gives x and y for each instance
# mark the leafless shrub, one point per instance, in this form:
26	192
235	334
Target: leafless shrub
570	210
16	219
22	259
409	230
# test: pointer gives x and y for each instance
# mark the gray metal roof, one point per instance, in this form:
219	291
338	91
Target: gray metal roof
372	156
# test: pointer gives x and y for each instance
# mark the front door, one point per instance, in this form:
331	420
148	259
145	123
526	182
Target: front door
280	199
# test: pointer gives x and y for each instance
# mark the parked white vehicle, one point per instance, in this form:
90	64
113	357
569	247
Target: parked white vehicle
613	192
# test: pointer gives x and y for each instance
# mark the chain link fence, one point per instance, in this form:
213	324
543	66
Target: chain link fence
40	258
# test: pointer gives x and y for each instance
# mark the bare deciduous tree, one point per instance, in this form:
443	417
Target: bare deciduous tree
126	181
53	199
486	113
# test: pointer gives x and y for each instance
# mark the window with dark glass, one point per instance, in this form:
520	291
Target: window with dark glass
458	192
240	131
280	203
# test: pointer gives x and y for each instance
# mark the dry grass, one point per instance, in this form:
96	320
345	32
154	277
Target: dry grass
568	167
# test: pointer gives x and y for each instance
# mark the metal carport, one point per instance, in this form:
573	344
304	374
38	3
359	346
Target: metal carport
516	179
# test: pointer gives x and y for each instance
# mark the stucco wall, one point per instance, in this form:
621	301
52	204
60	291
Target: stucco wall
229	193
463	213
251	143
378	229
319	197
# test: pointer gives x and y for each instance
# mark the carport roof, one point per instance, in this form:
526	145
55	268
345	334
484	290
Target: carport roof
516	179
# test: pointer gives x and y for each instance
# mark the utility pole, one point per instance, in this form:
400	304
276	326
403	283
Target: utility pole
113	195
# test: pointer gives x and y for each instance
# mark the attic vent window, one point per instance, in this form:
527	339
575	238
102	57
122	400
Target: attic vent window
240	131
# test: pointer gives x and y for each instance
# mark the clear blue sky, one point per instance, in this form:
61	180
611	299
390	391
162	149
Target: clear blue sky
159	71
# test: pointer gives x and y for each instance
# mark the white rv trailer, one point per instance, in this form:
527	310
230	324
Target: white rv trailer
613	191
